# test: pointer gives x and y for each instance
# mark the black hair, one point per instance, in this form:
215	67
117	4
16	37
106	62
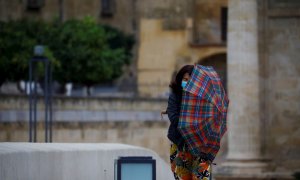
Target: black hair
176	83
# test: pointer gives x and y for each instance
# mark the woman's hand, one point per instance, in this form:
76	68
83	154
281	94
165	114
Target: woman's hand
162	112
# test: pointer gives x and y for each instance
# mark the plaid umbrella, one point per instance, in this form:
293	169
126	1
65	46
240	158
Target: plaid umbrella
202	121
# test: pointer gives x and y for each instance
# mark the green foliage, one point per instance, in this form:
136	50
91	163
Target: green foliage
82	51
87	56
118	40
17	41
15	49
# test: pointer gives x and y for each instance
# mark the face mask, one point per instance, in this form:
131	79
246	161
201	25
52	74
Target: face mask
183	84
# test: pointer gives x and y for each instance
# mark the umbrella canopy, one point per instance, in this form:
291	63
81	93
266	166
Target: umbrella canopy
202	121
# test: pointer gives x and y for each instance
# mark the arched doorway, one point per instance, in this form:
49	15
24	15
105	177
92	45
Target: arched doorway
219	63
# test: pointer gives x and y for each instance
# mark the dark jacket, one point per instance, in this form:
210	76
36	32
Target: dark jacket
173	111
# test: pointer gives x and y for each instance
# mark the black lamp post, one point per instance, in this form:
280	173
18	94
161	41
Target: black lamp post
33	77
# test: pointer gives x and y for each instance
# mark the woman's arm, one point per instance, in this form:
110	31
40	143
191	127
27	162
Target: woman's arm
173	108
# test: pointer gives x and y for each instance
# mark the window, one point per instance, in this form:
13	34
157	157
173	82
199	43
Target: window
224	24
107	8
35	4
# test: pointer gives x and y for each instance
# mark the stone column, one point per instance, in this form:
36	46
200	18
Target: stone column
244	144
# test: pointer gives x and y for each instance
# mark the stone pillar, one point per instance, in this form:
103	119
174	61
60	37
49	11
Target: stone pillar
244	143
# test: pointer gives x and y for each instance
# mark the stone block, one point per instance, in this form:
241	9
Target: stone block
3	136
69	160
65	135
19	135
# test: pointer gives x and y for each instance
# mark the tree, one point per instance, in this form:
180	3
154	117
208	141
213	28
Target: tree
82	51
86	53
15	48
17	41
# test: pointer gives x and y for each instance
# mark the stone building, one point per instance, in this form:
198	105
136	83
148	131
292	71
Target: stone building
191	32
169	33
258	61
263	86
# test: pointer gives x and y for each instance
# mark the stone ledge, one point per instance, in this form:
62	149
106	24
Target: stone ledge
69	161
249	171
266	176
83	116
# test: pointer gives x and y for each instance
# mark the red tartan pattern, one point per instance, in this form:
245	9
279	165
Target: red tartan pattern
202	121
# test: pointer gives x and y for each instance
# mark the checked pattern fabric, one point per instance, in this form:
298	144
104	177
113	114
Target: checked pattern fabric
202	121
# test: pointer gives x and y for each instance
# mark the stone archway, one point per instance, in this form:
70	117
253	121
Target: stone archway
219	62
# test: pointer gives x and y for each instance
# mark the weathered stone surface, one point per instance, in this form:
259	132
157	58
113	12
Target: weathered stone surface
162	53
69	161
152	135
124	120
283	98
263	74
207	19
243	82
3	135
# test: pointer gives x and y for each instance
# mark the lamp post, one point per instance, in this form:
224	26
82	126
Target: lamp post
33	77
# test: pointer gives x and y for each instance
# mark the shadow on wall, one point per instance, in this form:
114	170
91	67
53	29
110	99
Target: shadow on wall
219	63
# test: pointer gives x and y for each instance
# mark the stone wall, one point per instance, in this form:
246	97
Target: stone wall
169	38
207	21
118	120
280	54
263	86
93	120
15	9
163	52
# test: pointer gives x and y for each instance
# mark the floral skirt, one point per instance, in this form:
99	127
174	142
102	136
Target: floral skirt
187	167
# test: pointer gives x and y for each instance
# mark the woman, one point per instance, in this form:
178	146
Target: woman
183	164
